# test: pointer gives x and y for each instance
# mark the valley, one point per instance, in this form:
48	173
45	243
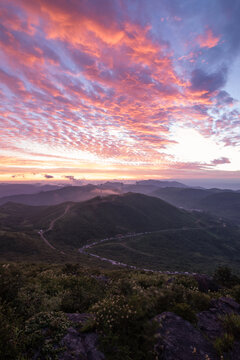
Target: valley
128	229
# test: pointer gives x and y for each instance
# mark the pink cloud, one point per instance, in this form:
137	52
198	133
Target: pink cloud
222	160
207	39
90	80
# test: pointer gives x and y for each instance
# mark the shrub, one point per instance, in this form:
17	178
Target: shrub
43	333
236	293
200	301
8	336
71	269
122	329
113	314
223	276
11	281
187	282
232	324
185	311
80	294
224	343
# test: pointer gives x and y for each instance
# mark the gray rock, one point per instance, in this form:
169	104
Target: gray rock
226	306
177	339
210	322
79	345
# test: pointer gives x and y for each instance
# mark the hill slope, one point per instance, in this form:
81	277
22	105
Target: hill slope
101	217
224	203
194	250
85	221
184	240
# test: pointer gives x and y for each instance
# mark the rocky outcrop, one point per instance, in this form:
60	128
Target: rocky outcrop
79	345
209	321
177	339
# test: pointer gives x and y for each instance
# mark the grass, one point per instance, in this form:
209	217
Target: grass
181	250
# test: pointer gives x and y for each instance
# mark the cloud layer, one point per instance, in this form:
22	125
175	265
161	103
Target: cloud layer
99	85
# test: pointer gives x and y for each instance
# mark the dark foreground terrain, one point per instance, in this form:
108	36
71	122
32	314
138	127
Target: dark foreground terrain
75	312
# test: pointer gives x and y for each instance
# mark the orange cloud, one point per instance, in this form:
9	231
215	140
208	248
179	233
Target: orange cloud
89	88
207	39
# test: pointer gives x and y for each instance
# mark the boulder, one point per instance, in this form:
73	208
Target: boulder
210	322
177	339
79	345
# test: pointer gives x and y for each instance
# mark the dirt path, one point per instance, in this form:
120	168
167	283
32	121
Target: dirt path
45	240
56	219
52	223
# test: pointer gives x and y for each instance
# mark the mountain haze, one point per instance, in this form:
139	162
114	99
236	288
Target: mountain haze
222	203
54	197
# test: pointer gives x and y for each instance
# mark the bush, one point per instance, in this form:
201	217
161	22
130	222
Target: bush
224	343
8	336
223	276
43	333
185	311
200	301
11	281
236	293
232	325
80	294
122	329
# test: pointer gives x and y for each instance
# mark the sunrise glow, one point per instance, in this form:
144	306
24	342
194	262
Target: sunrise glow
116	89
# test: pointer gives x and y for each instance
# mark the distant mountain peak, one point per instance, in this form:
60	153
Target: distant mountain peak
161	183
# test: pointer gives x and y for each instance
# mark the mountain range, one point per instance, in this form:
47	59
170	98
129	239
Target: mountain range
146	231
217	202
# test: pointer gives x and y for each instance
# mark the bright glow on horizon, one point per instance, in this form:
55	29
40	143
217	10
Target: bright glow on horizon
193	147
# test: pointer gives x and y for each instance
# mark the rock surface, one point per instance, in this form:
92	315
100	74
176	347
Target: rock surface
209	321
177	339
80	345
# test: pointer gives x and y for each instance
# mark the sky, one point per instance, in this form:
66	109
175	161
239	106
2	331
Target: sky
119	89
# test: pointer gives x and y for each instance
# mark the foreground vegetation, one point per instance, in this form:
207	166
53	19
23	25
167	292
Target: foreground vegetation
34	300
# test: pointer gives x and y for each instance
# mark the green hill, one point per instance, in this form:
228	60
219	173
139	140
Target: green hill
96	218
20	217
103	217
194	250
185	240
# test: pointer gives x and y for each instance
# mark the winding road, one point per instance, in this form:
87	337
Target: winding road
83	249
52	223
